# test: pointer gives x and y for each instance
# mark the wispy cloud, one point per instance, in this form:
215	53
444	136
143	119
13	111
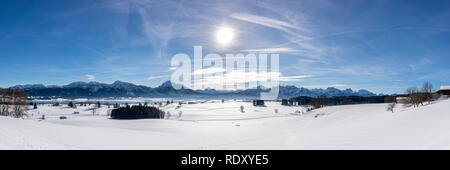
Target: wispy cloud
207	71
294	78
269	22
272	50
90	77
156	77
419	64
239	78
338	85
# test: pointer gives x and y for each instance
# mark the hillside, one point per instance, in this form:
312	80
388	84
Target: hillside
216	125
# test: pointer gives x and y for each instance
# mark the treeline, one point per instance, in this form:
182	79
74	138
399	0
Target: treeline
414	97
321	101
13	103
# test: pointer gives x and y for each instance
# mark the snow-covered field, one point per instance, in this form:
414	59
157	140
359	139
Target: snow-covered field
216	125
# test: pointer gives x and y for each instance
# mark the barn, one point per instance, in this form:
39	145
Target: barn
258	102
402	98
444	91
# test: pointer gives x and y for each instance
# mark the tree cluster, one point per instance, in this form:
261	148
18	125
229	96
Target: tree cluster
13	103
419	96
320	101
137	112
72	105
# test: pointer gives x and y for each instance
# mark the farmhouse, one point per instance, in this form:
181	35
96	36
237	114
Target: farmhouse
444	91
402	98
258	102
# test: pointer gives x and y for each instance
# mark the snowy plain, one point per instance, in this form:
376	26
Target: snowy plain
217	125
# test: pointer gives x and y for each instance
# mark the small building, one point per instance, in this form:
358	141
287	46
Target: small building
444	91
258	102
402	98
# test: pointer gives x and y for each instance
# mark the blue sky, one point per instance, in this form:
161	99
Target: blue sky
382	46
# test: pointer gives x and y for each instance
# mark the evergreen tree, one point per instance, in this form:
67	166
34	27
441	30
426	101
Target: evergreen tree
70	104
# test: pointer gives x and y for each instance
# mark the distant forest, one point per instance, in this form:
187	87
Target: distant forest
340	100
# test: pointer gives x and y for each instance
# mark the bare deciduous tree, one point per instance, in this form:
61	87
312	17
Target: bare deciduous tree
427	89
13	103
319	101
414	98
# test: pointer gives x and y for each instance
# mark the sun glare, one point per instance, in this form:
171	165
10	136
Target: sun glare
224	35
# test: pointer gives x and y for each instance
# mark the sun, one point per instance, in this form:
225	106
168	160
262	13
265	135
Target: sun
224	35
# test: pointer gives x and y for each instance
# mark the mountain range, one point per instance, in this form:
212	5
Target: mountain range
166	90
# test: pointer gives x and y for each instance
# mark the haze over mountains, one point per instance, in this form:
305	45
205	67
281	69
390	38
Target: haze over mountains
166	90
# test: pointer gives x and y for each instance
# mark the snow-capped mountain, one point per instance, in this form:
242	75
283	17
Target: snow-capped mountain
125	89
293	91
28	86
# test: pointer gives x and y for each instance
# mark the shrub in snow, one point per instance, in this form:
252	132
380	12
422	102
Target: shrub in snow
167	115
94	110
391	107
137	112
70	104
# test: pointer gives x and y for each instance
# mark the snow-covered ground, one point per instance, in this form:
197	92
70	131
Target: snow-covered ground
216	125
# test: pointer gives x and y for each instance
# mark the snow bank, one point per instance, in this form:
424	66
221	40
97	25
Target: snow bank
216	125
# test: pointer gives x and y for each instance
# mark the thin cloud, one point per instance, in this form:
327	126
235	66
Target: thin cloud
90	77
265	21
240	78
338	85
156	77
294	78
272	50
211	70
